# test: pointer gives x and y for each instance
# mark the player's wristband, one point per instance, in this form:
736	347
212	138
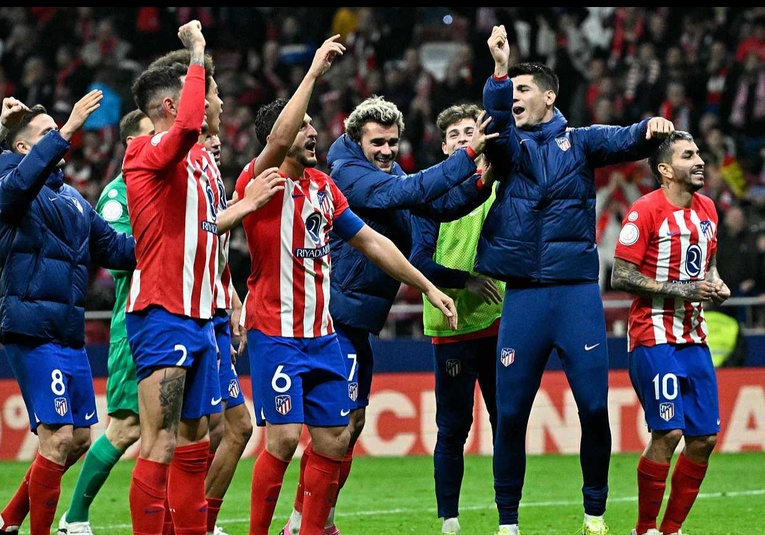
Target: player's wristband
470	152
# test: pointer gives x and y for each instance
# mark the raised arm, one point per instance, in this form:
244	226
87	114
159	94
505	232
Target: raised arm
11	113
288	123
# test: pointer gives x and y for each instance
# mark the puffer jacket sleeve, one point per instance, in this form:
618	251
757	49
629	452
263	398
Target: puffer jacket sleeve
109	248
608	145
20	184
366	186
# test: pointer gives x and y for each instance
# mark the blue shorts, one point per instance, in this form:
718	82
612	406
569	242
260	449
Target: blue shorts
55	382
298	380
359	363
677	387
230	390
159	339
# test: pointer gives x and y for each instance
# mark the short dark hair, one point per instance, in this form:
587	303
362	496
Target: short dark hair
663	153
164	74
454	114
16	131
542	75
266	117
130	125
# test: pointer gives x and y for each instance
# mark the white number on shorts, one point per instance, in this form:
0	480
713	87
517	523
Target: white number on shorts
280	377
57	385
184	353
352	356
668	385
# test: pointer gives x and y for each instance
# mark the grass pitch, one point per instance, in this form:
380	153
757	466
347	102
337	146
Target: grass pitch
392	496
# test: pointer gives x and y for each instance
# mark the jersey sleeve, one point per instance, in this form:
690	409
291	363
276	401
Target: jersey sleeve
635	234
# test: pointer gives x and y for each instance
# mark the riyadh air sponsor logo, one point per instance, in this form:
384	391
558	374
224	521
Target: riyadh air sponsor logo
208	226
283	404
666	411
507	356
318	252
453	367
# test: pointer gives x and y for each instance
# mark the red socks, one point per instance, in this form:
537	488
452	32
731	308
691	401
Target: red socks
298	506
345	469
213	508
686	482
148	490
267	478
320	492
652	481
186	488
44	491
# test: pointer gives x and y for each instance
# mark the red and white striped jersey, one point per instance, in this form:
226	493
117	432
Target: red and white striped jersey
224	285
173	196
668	244
288	288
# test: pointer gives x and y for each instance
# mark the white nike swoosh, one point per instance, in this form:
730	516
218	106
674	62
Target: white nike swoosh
90	415
588	347
345	413
215	401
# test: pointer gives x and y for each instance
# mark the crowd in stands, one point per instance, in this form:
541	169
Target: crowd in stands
703	68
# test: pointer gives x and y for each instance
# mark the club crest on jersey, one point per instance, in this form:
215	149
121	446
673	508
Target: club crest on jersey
707	229
453	367
233	389
563	143
61	406
353	391
283	404
324	202
507	356
666	411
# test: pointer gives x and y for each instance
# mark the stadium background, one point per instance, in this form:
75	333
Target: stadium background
702	67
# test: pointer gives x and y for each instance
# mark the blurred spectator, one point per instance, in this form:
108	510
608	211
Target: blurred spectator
716	71
105	47
678	108
628	26
344	22
72	78
36	85
737	251
642	84
754	41
106	119
720	151
744	106
611	204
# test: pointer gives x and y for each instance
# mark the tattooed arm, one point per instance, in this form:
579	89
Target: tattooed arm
626	277
722	292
